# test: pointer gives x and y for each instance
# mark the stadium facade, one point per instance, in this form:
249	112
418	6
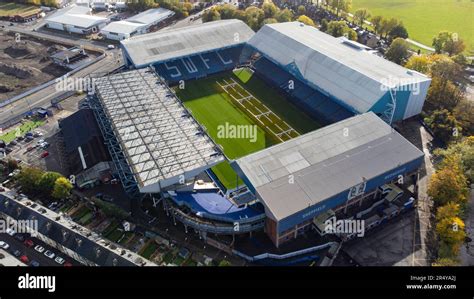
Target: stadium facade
158	147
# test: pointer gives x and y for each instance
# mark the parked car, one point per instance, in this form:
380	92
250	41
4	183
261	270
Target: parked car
4	245
44	154
34	263
20	237
28	243
24	259
39	248
49	254
59	260
110	47
17	253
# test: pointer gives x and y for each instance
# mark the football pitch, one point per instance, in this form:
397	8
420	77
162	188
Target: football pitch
225	101
425	18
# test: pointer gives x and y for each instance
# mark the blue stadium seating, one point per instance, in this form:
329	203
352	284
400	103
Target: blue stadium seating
312	101
200	65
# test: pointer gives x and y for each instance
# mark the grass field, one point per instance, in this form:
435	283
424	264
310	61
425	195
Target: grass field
21	130
214	106
11	9
425	18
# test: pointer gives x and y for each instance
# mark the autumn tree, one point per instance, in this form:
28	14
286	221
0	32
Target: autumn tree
47	181
270	9
62	188
448	184
305	20
444	125
28	179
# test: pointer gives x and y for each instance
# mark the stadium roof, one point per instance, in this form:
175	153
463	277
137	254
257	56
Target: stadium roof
325	163
76	16
174	43
160	139
337	66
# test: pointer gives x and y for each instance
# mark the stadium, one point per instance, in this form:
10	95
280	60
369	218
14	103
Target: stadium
322	108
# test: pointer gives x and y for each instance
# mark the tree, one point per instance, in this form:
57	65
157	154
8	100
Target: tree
110	209
341	5
340	28
443	94
451	231
255	17
398	31
448	184
388	25
284	15
270	9
301	10
448	42
47	181
62	188
361	15
445	262
377	23
464	113
465	151
211	15
28	179
446	69
324	25
227	11
305	20
449	210
398	51
419	63
444	125
269	21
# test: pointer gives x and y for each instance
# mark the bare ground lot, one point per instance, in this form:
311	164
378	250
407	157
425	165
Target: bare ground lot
25	64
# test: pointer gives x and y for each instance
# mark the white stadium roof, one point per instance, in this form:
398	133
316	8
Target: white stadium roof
336	65
325	163
168	44
78	16
160	139
123	27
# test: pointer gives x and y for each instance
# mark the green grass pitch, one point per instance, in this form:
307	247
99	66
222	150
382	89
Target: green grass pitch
212	106
425	18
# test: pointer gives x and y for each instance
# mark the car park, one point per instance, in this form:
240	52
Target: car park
49	254
39	248
4	245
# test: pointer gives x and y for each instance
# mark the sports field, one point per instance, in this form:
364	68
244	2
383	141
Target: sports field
425	18
224	101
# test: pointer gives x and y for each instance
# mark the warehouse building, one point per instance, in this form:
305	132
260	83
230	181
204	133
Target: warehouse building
76	19
136	25
331	168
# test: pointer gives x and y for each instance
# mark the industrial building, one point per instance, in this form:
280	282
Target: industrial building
76	19
136	25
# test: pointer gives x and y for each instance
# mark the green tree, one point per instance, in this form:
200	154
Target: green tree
62	188
269	21
445	262
388	25
463	149
225	263
270	9
340	28
377	23
444	125
361	15
398	31
398	51
28	179
211	15
443	94
47	181
255	17
324	25
341	5
464	113
449	210
301	10
227	11
448	42
284	15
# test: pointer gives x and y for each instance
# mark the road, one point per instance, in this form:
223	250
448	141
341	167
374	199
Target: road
43	97
32	254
